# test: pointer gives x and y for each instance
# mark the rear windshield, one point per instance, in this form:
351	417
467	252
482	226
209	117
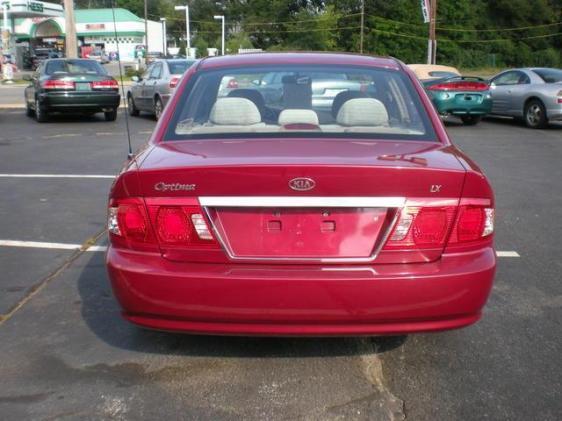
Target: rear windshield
74	67
300	101
179	67
549	75
441	73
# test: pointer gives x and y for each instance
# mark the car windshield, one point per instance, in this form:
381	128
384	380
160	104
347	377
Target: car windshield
74	67
549	75
301	101
180	66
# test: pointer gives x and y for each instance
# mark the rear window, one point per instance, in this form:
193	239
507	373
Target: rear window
179	67
300	101
441	73
549	75
74	67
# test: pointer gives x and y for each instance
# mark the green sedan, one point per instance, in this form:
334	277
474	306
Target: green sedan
71	86
466	97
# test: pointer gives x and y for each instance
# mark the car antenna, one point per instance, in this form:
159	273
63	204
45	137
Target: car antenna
130	150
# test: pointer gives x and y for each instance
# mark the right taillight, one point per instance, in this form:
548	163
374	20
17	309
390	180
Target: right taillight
433	227
174	81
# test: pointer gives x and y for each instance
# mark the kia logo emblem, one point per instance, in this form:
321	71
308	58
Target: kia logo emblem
302	184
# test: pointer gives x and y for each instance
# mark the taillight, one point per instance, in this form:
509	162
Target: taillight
59	84
431	227
559	95
174	81
132	224
105	84
460	86
232	84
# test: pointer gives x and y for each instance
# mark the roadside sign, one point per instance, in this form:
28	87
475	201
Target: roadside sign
425	7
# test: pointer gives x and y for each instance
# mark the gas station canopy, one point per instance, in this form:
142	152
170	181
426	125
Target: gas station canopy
32	9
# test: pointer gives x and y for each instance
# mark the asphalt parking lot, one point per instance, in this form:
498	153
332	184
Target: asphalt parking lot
65	353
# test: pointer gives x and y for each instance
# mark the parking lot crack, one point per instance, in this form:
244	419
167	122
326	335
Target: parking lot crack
392	407
39	286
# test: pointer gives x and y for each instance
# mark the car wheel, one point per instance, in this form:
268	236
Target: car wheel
133	110
158	108
40	112
28	110
110	115
535	114
470	120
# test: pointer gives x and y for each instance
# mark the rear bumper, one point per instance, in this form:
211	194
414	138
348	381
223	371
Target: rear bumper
554	113
304	300
452	106
79	100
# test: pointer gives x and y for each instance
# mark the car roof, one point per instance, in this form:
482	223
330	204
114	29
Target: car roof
253	59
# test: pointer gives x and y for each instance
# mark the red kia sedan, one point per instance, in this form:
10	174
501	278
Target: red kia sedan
301	205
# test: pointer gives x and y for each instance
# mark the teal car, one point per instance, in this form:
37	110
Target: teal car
466	97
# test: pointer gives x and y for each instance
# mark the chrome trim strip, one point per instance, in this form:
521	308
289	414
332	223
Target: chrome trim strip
302	201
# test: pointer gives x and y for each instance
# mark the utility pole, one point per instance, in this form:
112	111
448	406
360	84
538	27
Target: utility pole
362	26
221	18
188	39
432	45
164	36
70	42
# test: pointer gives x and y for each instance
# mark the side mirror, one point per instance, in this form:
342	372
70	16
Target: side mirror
136	79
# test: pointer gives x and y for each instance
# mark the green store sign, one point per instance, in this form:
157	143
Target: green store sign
35	7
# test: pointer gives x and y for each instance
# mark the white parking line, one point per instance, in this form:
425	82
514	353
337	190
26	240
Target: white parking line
53	246
66	246
55	176
507	254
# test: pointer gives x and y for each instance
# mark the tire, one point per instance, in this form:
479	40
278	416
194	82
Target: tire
535	114
28	111
41	114
471	120
158	108
110	115
132	108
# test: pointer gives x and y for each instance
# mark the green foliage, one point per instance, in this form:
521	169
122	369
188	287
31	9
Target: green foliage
469	31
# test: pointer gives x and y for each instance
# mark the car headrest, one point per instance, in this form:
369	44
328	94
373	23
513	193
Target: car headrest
362	112
234	112
251	94
343	97
298	116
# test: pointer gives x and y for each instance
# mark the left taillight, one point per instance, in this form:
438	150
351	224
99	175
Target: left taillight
136	225
58	84
105	84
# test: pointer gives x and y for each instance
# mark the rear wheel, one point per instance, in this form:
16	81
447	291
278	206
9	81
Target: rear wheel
158	108
110	115
535	114
40	112
133	110
470	120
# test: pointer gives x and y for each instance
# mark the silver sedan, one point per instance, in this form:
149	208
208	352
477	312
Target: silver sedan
153	89
532	94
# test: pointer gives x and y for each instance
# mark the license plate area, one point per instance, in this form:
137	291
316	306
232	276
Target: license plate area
299	233
83	86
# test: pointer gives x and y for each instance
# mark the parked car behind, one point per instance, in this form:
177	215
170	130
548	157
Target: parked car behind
531	94
71	85
154	88
370	222
466	97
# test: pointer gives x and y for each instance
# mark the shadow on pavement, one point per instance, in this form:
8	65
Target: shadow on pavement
101	313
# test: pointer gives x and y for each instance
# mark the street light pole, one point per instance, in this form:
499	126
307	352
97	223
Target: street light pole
362	25
146	27
186	8
221	18
164	36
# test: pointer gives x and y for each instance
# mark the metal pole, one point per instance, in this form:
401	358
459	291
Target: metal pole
187	30
146	27
362	25
222	36
70	42
164	36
